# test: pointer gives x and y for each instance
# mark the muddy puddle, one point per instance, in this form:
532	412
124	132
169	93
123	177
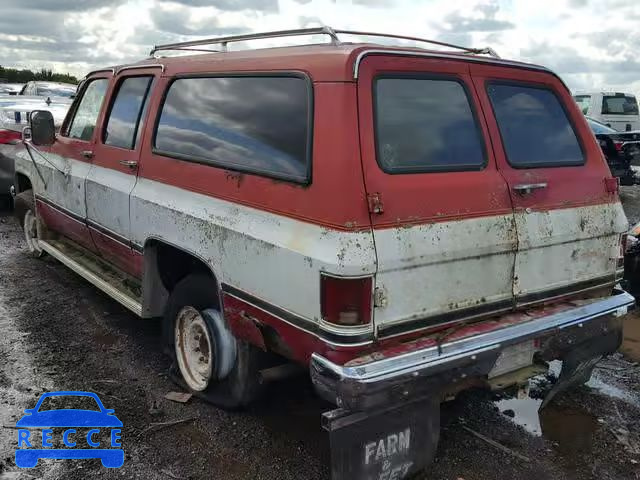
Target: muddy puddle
570	428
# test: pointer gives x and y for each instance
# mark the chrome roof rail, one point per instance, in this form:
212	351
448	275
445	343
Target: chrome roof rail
478	51
332	33
224	41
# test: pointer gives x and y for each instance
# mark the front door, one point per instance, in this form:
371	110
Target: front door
61	204
442	217
114	171
568	223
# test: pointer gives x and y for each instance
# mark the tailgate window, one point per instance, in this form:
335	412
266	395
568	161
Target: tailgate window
425	125
619	104
534	127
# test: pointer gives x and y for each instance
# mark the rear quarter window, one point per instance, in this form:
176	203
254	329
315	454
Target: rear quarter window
255	124
535	129
425	125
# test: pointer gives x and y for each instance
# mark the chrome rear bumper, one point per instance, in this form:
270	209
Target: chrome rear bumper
361	385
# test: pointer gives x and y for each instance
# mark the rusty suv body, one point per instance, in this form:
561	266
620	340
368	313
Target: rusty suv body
382	216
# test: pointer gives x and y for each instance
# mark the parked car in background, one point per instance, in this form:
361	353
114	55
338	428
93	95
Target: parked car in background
403	227
14	116
621	149
614	109
11	88
49	89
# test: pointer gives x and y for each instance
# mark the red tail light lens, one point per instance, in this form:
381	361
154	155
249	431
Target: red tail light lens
623	249
10	136
612	184
346	301
618	146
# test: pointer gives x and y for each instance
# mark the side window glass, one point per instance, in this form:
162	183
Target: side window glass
252	124
86	115
124	119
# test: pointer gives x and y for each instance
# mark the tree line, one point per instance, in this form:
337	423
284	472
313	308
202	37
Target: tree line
15	75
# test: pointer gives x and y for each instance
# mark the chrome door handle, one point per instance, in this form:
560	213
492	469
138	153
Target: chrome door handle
87	153
129	163
526	188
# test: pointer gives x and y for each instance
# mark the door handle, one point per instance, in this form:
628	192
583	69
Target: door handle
527	188
87	153
129	163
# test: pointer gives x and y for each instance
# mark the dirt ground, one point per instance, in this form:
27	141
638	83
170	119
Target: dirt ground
57	332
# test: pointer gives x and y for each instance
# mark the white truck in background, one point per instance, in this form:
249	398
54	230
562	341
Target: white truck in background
617	110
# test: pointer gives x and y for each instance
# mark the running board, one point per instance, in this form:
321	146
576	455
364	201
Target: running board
90	271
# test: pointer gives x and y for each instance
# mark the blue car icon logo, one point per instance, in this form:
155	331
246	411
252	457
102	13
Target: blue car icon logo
70	424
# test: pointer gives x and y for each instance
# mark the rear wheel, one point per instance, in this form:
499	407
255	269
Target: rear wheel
25	212
207	359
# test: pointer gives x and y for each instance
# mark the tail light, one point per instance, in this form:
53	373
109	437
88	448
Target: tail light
612	184
10	136
618	145
346	301
623	248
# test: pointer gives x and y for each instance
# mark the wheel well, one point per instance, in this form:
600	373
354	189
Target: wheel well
175	264
22	183
164	266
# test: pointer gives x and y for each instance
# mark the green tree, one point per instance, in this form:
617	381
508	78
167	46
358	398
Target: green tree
15	75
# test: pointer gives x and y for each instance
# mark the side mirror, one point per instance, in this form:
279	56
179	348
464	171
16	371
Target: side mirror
43	130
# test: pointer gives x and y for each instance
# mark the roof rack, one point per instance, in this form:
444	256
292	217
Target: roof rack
332	33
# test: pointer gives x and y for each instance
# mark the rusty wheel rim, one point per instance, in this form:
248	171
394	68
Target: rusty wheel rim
193	346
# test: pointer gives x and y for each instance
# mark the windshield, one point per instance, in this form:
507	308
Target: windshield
598	127
583	102
56	91
619	104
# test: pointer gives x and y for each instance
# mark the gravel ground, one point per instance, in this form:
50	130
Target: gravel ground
60	333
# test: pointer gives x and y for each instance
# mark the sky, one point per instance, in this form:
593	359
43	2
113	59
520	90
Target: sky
591	44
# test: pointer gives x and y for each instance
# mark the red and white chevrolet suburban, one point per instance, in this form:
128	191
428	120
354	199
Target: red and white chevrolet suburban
405	223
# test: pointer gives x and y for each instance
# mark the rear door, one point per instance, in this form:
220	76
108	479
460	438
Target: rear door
442	217
115	167
568	224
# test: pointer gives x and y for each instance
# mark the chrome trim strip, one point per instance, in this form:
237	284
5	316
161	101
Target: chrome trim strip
112	70
68	213
134	67
91	277
470	58
429	358
308	326
116	237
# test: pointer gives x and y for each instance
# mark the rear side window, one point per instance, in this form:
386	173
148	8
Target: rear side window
126	112
535	129
257	124
86	114
619	104
425	125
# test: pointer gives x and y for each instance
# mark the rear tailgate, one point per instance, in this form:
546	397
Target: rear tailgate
568	224
443	223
